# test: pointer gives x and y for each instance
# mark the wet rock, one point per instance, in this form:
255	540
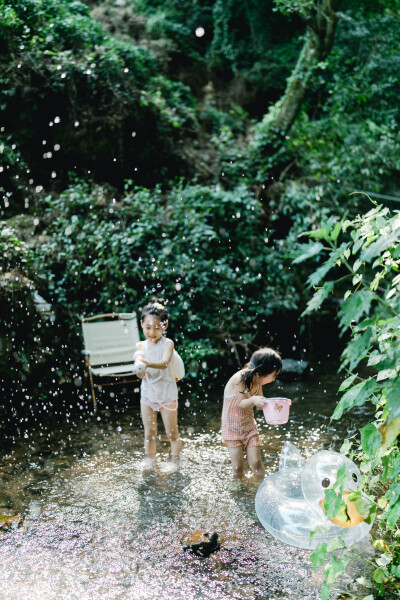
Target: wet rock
36	488
8	522
201	543
5	501
293	369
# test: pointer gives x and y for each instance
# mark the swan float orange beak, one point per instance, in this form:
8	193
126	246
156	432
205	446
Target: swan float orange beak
354	515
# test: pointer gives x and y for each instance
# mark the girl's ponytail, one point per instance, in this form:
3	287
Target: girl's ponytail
262	362
248	376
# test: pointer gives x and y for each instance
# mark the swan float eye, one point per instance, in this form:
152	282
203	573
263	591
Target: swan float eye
354	477
326	482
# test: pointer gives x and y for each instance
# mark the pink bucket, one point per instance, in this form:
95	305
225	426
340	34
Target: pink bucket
276	410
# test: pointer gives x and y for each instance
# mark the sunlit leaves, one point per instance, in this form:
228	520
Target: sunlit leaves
307	251
356	396
319	274
370	312
371	439
318	298
356	350
355	306
393	399
333	503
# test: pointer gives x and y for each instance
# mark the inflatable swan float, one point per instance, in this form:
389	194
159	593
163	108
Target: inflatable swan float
289	503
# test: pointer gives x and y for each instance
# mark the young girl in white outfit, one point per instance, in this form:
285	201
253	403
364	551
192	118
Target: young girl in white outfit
159	392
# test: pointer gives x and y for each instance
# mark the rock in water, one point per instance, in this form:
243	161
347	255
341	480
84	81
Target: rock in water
293	369
201	543
10	522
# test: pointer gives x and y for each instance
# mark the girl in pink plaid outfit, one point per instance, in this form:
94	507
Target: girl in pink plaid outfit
242	392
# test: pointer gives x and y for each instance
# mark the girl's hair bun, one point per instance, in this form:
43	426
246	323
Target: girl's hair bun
155	307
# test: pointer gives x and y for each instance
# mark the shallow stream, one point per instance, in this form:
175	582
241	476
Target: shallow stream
97	528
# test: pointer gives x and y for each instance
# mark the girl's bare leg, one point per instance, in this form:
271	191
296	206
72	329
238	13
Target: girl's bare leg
149	418
254	460
170	420
237	459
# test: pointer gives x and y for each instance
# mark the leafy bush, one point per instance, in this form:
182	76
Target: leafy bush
69	87
29	364
201	248
367	261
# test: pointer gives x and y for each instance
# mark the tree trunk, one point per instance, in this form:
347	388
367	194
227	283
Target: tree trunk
321	23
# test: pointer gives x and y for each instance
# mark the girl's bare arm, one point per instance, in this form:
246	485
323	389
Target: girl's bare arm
245	399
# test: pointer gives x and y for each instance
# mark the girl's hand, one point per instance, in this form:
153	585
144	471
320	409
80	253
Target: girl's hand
259	401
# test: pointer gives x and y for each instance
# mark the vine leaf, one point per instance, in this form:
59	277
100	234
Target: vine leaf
355	306
371	439
356	396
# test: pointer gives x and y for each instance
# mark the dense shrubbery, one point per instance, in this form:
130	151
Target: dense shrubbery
73	98
363	255
30	342
203	249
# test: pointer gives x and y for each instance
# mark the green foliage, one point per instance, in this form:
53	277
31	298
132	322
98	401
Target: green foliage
25	337
68	88
345	137
201	248
369	262
13	251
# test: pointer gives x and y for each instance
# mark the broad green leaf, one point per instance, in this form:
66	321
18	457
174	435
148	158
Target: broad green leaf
356	396
355	306
345	447
336	566
395	571
357	349
362	504
379	576
371	439
393	399
386	374
317	276
375	358
308	251
319	296
318	556
340	478
325	591
347	383
393	515
383	243
332	504
384	560
336	231
364	324
393	494
319	234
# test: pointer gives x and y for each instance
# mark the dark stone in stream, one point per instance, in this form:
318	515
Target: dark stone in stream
201	543
36	488
5	501
293	369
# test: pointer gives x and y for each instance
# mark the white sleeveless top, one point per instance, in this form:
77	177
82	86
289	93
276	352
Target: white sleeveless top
162	381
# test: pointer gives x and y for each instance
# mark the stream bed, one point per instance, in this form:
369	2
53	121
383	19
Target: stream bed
96	527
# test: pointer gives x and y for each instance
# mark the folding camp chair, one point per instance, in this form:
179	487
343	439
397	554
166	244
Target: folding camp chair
110	343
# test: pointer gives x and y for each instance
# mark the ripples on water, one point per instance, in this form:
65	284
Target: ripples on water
97	528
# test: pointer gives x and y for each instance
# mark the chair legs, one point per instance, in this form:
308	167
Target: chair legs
87	361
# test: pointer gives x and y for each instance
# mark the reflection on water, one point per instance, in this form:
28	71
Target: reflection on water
97	528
